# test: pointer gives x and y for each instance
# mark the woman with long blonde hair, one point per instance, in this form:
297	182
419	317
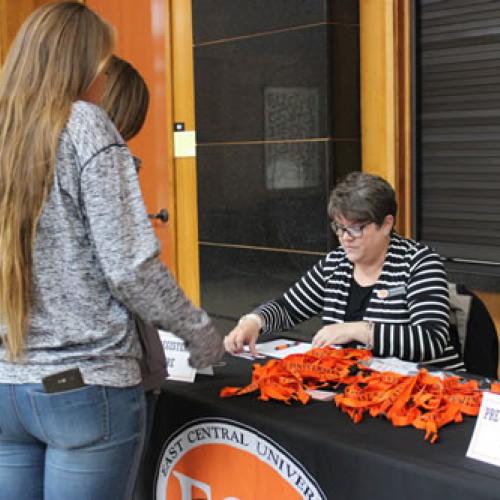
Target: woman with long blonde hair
78	257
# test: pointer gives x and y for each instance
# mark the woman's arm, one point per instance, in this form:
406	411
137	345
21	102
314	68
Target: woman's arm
302	301
128	253
427	334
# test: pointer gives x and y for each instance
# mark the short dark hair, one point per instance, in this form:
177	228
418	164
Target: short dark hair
363	197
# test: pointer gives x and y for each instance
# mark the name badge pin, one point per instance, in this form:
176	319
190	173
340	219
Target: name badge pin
391	292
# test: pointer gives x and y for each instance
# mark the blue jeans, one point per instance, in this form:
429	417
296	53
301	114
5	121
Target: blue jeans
82	444
144	486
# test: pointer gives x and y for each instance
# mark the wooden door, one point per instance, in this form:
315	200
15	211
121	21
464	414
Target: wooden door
156	37
142	30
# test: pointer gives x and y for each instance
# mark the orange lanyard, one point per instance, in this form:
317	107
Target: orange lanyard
421	400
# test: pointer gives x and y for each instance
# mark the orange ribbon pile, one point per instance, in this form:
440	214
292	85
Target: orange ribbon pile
289	378
424	401
421	400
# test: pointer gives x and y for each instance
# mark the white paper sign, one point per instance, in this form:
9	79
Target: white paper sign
185	144
177	358
485	442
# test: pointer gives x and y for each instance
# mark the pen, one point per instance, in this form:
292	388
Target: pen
280	347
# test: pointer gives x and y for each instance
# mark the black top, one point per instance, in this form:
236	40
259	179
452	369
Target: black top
359	297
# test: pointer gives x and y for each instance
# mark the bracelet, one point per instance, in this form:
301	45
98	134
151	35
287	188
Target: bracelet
371	327
252	317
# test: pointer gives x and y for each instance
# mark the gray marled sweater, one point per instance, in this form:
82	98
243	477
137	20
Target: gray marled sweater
95	262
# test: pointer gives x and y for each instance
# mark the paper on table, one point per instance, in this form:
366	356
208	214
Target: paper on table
246	354
395	365
279	348
320	395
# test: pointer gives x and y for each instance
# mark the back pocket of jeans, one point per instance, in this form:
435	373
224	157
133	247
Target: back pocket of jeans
72	419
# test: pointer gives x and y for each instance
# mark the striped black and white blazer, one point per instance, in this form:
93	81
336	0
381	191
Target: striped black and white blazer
409	304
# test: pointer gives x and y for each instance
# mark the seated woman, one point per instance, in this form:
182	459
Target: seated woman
377	288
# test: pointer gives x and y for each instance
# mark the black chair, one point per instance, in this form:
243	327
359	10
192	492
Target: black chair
471	322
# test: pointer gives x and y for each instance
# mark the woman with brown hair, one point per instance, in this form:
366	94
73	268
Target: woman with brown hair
78	258
376	289
126	101
125	97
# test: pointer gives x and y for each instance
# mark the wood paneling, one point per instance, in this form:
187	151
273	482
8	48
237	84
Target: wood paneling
403	115
386	98
188	273
377	88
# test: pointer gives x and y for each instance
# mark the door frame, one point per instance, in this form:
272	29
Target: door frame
186	195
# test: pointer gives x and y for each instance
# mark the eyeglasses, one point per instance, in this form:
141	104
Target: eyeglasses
354	231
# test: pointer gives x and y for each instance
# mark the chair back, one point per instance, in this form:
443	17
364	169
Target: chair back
477	334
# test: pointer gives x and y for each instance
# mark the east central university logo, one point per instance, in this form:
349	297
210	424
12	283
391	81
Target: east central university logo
221	459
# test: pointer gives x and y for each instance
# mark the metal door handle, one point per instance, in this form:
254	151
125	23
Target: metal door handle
162	215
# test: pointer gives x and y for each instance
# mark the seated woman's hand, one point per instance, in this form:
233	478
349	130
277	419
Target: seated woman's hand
343	333
244	333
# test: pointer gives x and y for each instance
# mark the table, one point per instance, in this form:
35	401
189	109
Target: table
371	460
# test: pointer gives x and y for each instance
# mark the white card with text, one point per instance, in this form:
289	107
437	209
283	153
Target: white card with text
485	442
177	358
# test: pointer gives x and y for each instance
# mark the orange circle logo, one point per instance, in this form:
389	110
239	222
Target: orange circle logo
220	459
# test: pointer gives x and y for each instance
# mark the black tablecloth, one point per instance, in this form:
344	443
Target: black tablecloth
370	460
